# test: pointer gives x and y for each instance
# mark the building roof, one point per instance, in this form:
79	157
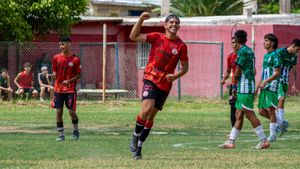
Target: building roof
286	19
135	3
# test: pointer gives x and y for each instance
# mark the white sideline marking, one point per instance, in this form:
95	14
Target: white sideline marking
159	132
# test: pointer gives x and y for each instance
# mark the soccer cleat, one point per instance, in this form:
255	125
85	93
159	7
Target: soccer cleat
75	134
138	153
283	128
134	143
229	144
272	138
262	145
60	138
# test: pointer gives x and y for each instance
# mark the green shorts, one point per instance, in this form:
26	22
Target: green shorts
267	99
244	101
282	90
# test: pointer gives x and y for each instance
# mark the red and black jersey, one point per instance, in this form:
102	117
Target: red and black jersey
25	80
66	67
231	58
163	59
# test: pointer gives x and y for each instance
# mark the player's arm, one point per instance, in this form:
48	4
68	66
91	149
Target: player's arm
8	84
135	34
228	70
16	81
275	75
40	81
54	68
294	79
183	70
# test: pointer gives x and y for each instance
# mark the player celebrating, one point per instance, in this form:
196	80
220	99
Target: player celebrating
66	71
289	62
231	68
244	75
166	51
268	84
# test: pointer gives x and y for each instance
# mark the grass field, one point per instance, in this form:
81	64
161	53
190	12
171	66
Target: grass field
185	135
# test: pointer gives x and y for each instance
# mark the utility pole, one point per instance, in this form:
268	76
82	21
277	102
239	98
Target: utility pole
249	5
165	8
285	6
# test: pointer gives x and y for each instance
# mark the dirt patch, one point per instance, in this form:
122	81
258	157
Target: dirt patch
9	129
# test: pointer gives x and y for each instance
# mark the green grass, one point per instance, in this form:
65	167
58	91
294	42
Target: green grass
185	135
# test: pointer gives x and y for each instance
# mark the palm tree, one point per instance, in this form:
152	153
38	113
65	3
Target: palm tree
206	7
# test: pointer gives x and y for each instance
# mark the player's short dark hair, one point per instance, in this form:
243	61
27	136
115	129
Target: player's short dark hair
240	36
27	64
64	38
273	38
296	42
172	15
3	70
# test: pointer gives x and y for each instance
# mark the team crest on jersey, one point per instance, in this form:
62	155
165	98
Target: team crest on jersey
145	93
71	64
174	51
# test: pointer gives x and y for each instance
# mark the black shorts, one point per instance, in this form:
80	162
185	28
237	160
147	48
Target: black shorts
69	99
4	95
150	91
231	98
28	90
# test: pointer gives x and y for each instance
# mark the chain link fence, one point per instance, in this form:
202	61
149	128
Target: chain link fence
125	63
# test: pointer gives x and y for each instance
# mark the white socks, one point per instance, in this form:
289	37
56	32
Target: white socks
259	131
234	133
272	129
280	116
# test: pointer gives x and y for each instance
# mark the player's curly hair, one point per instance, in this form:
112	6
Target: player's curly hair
240	36
296	42
172	15
273	38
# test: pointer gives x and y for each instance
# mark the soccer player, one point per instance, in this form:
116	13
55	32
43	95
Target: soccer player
5	89
245	78
66	71
231	69
289	61
167	49
268	85
24	81
44	79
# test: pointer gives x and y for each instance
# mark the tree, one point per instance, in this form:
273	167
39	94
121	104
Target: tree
20	19
272	6
206	7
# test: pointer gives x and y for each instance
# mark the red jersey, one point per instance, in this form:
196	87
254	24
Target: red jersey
66	67
163	58
231	58
25	80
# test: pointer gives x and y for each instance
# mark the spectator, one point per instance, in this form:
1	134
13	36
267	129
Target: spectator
5	89
44	79
24	82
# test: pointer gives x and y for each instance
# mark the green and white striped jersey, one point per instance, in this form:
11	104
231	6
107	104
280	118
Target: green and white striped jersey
288	61
246	60
271	61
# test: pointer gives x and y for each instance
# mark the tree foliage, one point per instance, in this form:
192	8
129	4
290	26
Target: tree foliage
272	6
206	7
21	19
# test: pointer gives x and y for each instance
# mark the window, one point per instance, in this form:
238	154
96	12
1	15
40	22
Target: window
143	52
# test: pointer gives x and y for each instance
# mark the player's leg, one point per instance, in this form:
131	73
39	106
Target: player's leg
272	136
71	105
258	129
281	122
58	103
51	91
10	94
147	106
232	107
42	93
20	92
235	131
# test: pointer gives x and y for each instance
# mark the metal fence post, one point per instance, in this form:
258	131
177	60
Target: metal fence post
221	67
117	65
179	84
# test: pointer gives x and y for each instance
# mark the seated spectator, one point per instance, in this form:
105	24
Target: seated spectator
5	89
24	82
44	79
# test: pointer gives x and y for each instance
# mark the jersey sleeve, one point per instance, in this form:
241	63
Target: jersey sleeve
151	37
241	59
54	64
183	54
228	69
77	65
277	60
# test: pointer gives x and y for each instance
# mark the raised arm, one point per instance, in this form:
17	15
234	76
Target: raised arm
135	34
